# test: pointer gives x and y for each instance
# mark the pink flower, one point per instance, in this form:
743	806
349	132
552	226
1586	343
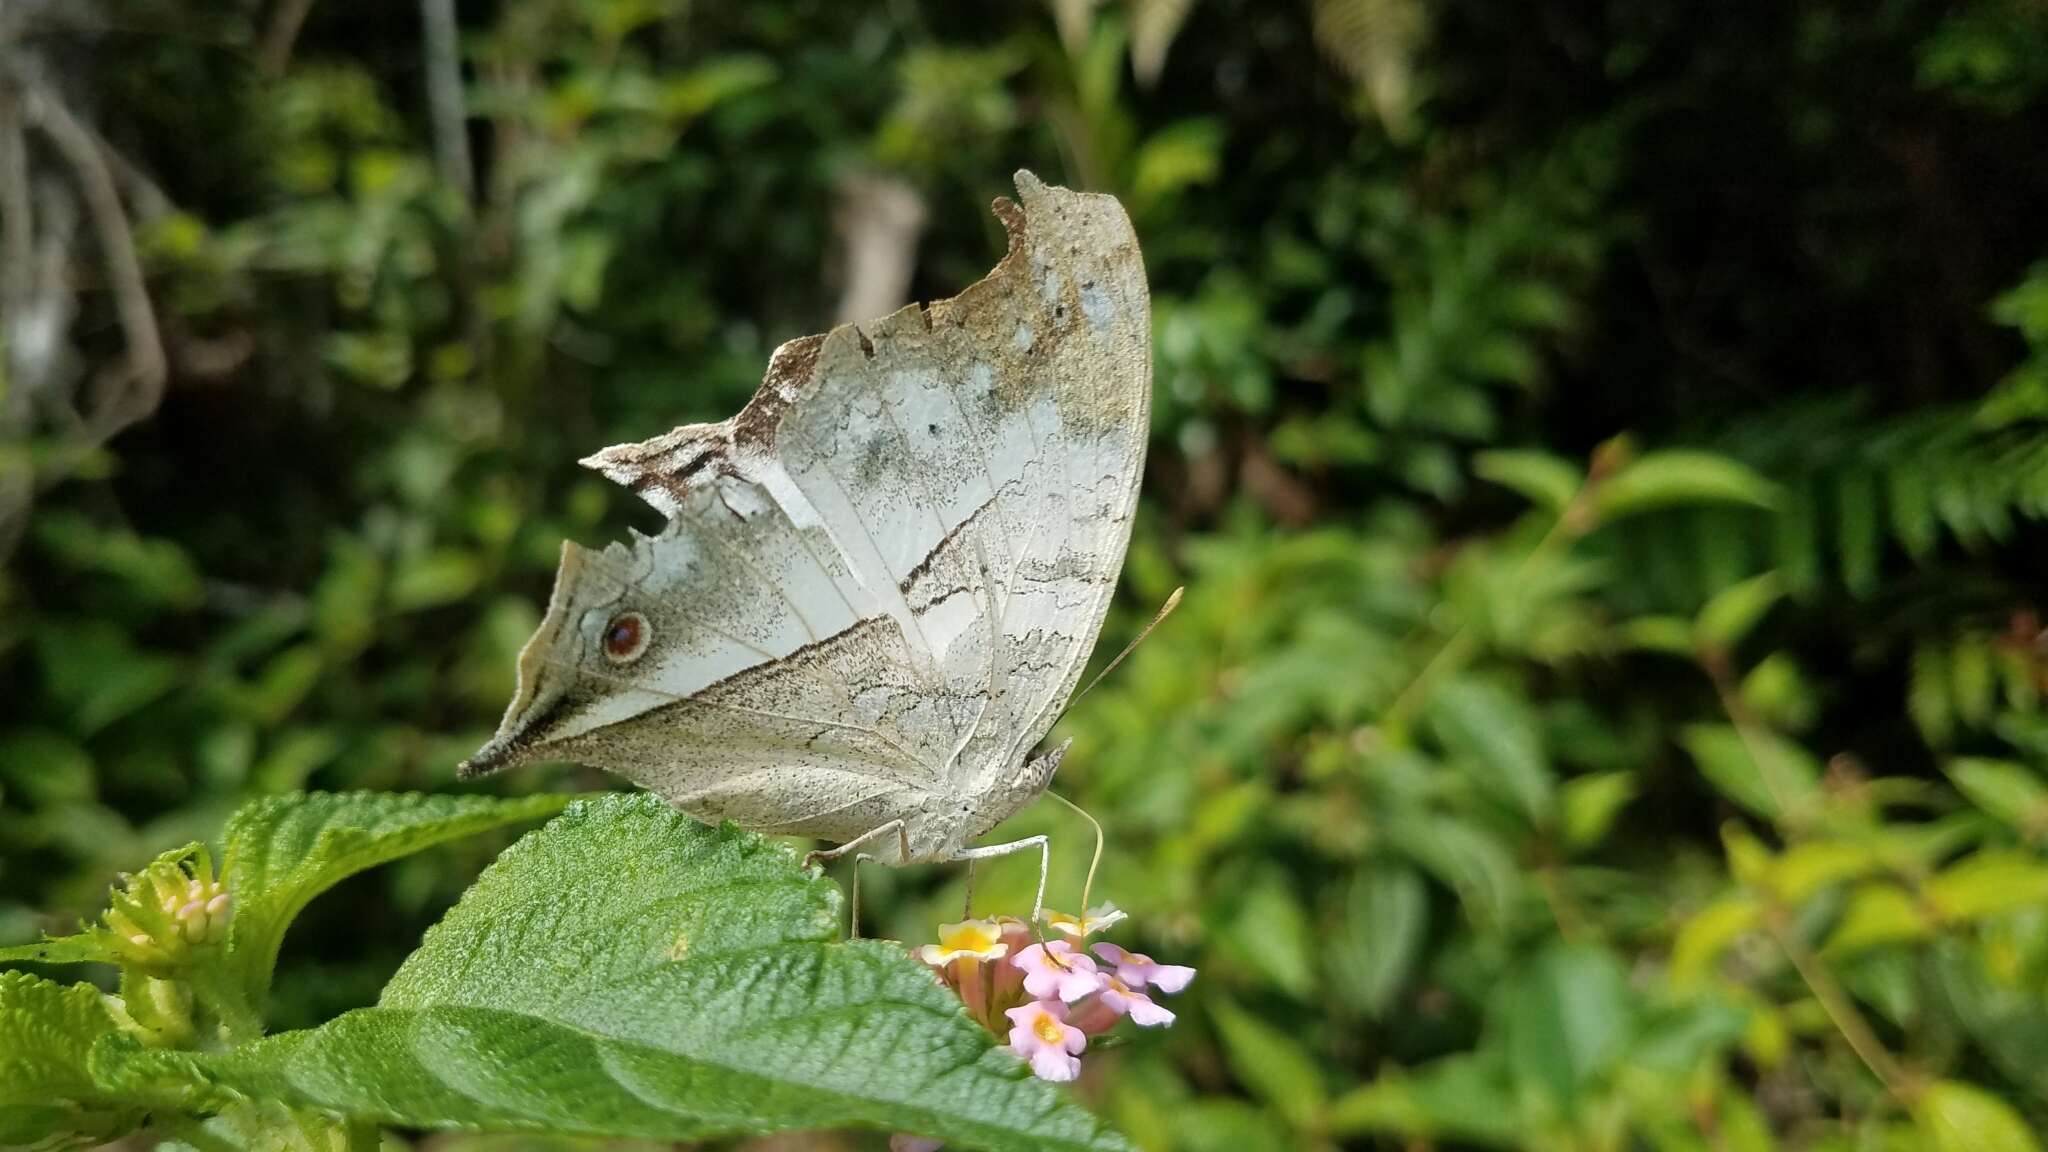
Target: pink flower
1040	1033
1136	970
905	1142
1124	1000
1055	970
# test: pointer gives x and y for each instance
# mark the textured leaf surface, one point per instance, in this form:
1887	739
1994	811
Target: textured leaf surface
285	850
46	1031
628	972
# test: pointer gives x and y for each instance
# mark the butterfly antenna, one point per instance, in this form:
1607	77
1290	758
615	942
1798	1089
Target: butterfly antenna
1165	610
1088	885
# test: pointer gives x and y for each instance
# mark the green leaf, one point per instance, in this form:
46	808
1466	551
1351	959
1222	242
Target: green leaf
1373	952
442	576
1706	934
1670	635
2007	791
1495	733
1271	1063
628	972
1955	1117
47	1030
1728	617
1549	482
708	85
1678	477
81	948
1564	1018
1462	1098
282	851
1677	1038
1989	883
1758	769
1591	803
255	1126
1878	913
1999	1007
1803	870
1473	863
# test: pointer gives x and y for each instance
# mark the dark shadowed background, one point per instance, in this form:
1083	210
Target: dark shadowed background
1605	446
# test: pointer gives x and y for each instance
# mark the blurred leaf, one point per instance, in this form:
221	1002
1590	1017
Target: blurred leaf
1462	1098
1375	43
1496	734
1471	862
99	674
1759	770
1275	937
1801	871
1591	804
1276	1067
1878	914
1778	692
1178	156
697	91
1677	1039
1565	1018
2007	1016
1154	24
154	571
1957	1117
1734	611
1708	933
1678	477
1549	482
1374	951
1989	883
440	577
44	769
1671	635
2004	789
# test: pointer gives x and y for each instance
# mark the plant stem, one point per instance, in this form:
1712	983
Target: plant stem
1842	1011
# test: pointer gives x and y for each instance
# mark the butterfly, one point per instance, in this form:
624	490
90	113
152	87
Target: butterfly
879	582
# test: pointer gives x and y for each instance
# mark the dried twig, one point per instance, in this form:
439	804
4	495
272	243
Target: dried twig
131	393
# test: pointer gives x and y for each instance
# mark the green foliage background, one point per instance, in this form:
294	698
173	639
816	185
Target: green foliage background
1605	446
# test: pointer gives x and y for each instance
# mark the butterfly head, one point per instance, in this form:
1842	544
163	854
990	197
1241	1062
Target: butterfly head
577	673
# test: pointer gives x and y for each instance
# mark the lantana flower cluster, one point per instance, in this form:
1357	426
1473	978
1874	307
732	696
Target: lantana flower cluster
1050	996
157	918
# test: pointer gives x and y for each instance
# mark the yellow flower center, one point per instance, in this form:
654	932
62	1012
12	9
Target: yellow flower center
1048	1029
969	937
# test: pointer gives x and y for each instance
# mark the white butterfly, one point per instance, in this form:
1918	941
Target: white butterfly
879	582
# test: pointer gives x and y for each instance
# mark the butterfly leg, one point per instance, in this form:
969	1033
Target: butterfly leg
875	833
1044	863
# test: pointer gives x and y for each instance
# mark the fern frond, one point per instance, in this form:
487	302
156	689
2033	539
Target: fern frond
1375	43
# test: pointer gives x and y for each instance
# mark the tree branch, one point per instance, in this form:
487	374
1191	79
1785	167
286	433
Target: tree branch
443	50
276	51
17	287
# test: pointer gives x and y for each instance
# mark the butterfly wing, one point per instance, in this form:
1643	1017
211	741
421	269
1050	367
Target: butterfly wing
885	573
